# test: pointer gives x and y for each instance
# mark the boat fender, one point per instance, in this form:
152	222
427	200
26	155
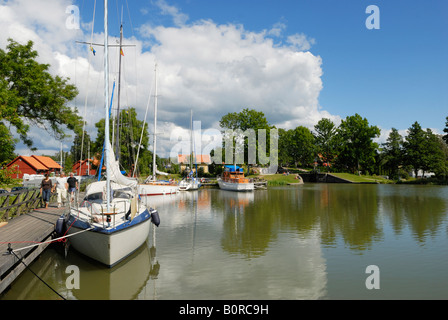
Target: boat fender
155	217
60	226
127	214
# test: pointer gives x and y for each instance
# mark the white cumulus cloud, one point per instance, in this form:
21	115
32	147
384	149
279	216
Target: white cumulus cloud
211	68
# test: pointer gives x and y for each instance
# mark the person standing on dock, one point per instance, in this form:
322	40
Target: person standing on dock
61	189
72	186
45	189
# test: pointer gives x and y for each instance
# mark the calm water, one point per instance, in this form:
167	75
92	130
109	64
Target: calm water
313	241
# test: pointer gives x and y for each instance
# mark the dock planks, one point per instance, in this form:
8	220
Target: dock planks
34	227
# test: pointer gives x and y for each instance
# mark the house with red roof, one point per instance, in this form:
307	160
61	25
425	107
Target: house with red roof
34	165
202	161
84	167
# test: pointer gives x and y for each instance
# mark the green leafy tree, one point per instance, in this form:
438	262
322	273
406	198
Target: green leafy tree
393	153
29	95
445	137
285	142
7	145
412	146
80	144
434	159
130	131
243	122
302	146
326	140
357	147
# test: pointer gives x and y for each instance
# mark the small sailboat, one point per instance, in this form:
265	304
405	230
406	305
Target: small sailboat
152	186
190	182
233	179
111	222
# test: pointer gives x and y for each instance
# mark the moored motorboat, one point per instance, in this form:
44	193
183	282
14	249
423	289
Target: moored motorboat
233	179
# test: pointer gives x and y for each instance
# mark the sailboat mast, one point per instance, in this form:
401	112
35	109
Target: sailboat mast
106	101
154	165
191	143
117	142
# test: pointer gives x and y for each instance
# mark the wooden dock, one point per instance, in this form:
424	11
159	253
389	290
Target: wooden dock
30	228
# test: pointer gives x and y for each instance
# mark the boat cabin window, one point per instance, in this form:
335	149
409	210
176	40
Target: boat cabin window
121	194
94	197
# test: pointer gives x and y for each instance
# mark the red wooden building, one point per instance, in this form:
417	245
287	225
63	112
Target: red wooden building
83	168
34	165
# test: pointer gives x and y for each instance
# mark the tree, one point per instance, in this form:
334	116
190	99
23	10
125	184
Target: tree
243	124
326	140
130	132
434	159
393	152
302	147
445	137
80	145
412	147
7	143
285	142
357	146
30	95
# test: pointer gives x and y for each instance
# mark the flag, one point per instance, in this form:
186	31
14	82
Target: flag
93	50
121	52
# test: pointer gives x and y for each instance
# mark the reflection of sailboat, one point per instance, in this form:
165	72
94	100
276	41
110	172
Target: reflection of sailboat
111	223
123	282
152	186
233	179
190	182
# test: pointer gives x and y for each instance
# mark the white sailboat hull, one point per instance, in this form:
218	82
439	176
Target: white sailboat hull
235	186
186	185
157	189
110	248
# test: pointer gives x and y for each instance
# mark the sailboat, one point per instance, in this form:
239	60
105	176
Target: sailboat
152	186
190	182
111	223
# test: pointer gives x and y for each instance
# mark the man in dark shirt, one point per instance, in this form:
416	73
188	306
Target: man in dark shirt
72	186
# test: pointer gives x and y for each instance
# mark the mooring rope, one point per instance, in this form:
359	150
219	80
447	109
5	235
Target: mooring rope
21	260
45	242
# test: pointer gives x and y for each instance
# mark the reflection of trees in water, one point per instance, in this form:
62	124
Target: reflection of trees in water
418	207
351	213
247	227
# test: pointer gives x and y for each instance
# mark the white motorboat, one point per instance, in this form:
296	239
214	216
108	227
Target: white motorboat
233	179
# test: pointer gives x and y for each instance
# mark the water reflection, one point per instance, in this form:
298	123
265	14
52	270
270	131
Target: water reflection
307	242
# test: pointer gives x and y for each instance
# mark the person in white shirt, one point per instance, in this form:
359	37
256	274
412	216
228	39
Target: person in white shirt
61	189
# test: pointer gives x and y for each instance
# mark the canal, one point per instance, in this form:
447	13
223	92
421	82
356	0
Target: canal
314	241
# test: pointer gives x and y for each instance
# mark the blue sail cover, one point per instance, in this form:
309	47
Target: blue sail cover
233	168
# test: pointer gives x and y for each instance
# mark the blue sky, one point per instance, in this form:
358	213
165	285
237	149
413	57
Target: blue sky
295	60
392	76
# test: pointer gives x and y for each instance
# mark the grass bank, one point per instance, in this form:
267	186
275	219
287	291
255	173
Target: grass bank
278	179
362	178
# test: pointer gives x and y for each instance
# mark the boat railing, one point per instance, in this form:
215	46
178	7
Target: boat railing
99	214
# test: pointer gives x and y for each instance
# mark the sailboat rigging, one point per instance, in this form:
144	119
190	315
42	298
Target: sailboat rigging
111	222
152	186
